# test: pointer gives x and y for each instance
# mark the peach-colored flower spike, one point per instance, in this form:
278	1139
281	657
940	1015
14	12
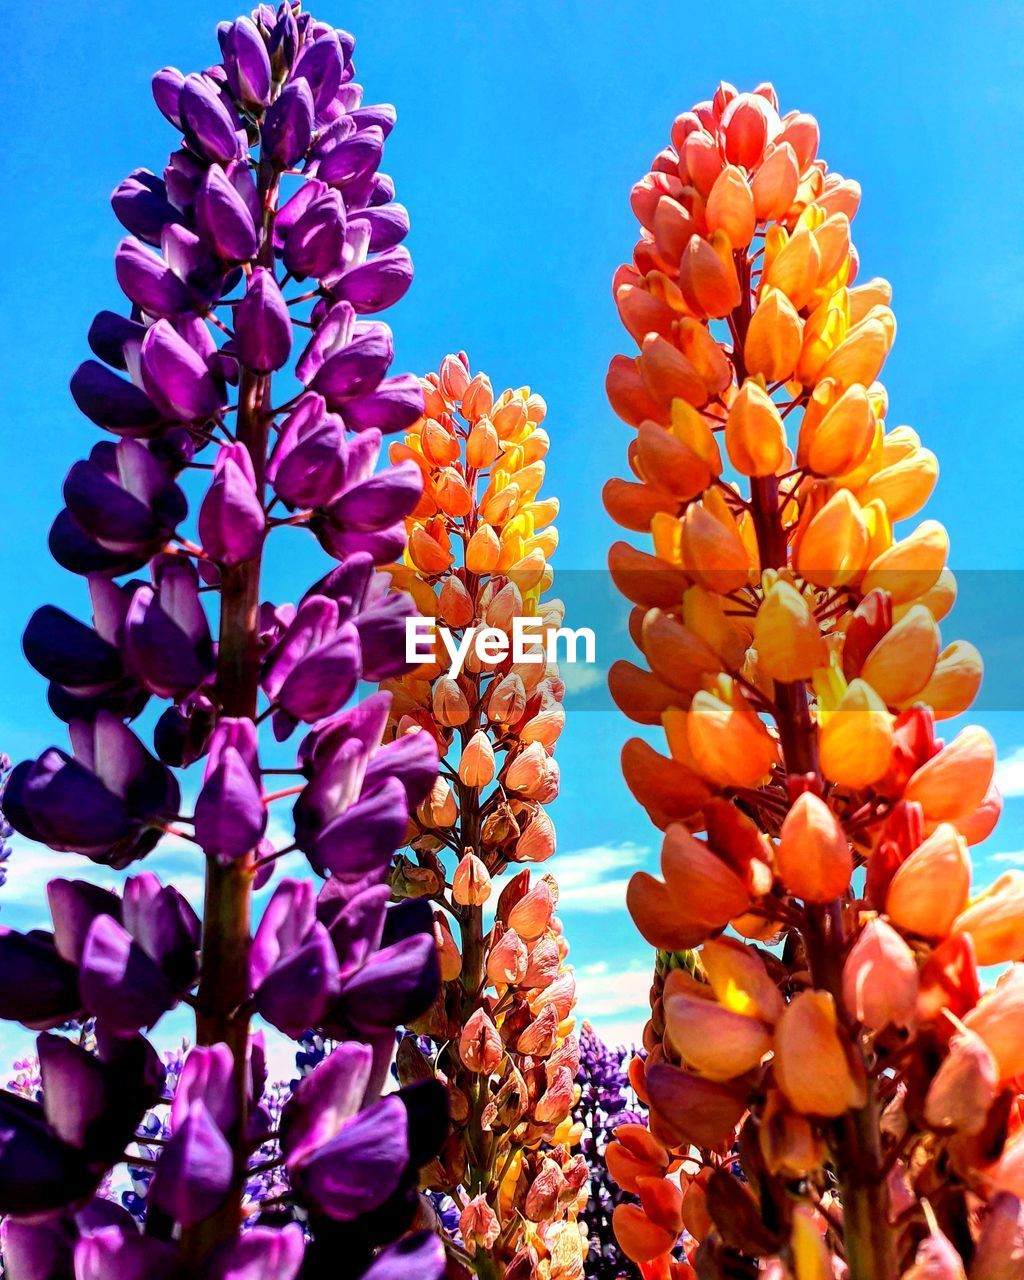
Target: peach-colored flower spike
502	1029
830	1037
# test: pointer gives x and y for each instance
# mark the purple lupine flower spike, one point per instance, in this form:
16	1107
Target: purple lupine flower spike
274	180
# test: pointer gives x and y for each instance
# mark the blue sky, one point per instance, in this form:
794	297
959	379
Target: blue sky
521	129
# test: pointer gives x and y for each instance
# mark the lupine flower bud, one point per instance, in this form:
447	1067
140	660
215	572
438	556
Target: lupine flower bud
880	983
263	327
471	884
930	889
450	704
231	519
288	124
811	1065
223	218
786	635
480	1045
813	859
476	764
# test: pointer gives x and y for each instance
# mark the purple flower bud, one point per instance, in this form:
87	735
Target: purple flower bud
315	666
323	1101
164	925
284	42
101	801
298	991
120	983
353	158
123	1253
74	905
395	405
321	63
141	205
288	125
246	62
207	1076
389	225
412	759
381	500
314	243
190	260
309	462
182	733
149	282
176	377
378	283
167	85
263	327
359	1168
84	668
206	121
38	1172
421	1255
356	368
108	335
356	846
194	1171
261	1253
382	546
39	988
394	987
113	403
287	918
224	219
230	815
231	519
383	115
166	640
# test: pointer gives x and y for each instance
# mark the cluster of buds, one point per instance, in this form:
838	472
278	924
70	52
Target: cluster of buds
275	181
834	1084
478	548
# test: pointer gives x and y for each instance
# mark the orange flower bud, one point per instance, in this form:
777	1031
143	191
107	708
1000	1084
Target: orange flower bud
676	655
471	884
787	636
999	1020
811	1064
709	283
930	889
713	551
813	857
480	1046
861	354
789	1144
831	548
476	764
440	809
427	554
793	267
954	783
686	1108
954	682
836	438
855	742
503	607
755	437
640	1239
880	981
699	895
482	445
507	960
775	183
546	726
912	566
448	953
716	1042
667	373
730	207
902	662
453	377
669	464
482	550
964	1087
730	745
452	492
537	842
438	444
532	913
449	703
905	486
455	603
533	773
478	398
774	336
499	505
995	920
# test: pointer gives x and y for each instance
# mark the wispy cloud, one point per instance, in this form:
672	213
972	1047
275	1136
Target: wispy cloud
1013	858
578	677
591	879
1010	773
604	992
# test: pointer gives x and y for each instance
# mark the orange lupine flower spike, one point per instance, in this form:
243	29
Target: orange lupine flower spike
479	546
790	650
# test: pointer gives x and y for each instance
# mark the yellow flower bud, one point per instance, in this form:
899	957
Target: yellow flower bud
813	858
739	979
855	741
930	889
954	682
483	550
793	266
755	436
836	438
861	354
831	548
905	486
786	635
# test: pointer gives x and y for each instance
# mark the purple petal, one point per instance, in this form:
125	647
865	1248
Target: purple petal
194	1172
119	981
263	327
360	1168
261	1253
325	1100
395	405
223	218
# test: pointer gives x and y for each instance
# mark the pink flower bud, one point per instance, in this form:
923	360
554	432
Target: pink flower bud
531	914
880	981
508	960
480	1045
471	884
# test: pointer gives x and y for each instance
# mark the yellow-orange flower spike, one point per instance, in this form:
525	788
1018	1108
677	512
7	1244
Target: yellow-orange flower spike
789	649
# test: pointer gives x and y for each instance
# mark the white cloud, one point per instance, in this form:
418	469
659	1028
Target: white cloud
578	677
603	992
1010	773
1015	858
581	876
